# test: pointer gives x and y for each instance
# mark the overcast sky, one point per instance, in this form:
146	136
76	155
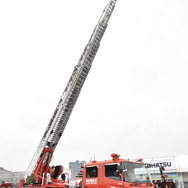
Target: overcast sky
135	99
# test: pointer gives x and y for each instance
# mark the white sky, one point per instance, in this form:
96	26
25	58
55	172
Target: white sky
135	99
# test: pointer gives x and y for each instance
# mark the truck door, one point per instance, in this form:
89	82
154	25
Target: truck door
91	176
112	176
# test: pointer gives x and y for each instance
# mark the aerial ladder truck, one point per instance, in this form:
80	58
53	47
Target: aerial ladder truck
39	167
114	173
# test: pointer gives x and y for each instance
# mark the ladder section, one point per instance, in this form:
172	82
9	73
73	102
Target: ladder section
70	95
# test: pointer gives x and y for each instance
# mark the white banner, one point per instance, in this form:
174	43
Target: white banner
155	164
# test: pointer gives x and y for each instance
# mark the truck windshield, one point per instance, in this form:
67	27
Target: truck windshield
135	173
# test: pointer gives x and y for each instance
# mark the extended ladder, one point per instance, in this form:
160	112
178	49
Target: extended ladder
70	95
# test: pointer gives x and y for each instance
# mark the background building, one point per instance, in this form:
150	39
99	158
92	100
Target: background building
75	168
176	168
7	176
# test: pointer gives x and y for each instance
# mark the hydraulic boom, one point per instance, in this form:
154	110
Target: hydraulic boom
39	164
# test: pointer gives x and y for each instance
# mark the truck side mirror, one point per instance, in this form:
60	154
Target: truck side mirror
119	169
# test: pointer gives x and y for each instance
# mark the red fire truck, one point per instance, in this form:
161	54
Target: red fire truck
111	173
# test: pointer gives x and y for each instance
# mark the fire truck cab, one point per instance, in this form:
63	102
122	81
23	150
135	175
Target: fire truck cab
116	173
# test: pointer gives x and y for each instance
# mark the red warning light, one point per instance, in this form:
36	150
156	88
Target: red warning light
115	155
